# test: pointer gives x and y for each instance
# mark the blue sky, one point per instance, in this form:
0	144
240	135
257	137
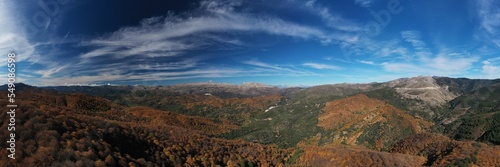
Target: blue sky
276	42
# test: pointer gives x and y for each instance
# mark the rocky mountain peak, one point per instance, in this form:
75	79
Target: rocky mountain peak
415	82
423	88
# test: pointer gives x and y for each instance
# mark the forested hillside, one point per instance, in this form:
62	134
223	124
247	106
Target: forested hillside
57	129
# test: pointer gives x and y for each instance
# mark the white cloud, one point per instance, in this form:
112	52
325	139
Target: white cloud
220	6
333	20
49	72
158	76
12	37
441	65
265	68
188	69
265	65
452	65
364	3
490	71
170	38
489	13
403	68
491	68
415	39
367	62
176	35
172	35
321	66
390	50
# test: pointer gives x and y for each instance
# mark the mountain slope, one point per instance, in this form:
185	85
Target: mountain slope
51	131
295	117
360	120
474	114
355	156
441	151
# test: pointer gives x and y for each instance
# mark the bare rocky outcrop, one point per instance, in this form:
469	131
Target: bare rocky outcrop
423	88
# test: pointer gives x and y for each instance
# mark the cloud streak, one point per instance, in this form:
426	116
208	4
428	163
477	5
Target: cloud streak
12	38
333	20
173	35
427	62
489	14
174	39
269	69
415	39
367	62
321	66
441	65
364	3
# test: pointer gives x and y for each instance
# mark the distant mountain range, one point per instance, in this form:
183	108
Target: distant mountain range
420	121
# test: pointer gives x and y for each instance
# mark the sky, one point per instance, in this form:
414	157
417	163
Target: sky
275	42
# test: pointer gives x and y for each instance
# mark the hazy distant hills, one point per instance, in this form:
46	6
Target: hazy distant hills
431	121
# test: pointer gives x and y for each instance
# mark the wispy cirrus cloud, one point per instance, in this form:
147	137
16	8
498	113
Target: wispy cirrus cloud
211	39
13	40
393	50
187	70
334	20
415	39
12	37
259	68
402	67
441	65
366	62
451	64
34	50
160	48
321	66
150	77
174	35
49	72
173	38
364	3
444	63
488	12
